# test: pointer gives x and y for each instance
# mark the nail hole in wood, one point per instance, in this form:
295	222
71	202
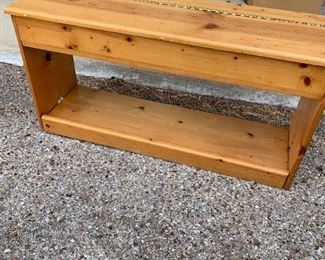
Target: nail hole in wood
141	107
250	135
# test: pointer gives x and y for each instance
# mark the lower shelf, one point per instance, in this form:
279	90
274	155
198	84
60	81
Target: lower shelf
235	147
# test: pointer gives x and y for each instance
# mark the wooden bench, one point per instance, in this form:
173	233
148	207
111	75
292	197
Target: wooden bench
266	49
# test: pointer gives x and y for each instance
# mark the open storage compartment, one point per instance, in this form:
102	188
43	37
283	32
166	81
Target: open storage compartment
246	149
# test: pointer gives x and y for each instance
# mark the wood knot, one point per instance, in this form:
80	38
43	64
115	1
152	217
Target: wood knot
48	57
303	65
307	81
129	39
106	48
66	28
211	26
302	150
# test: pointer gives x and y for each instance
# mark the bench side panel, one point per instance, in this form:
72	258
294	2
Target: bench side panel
50	75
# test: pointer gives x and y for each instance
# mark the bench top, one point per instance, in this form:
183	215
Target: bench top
271	33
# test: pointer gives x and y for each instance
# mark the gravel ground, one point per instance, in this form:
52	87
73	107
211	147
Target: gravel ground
67	199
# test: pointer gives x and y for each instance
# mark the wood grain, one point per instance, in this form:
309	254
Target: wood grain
246	70
303	126
51	76
236	147
291	42
264	54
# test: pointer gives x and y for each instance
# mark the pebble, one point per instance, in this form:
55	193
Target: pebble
70	200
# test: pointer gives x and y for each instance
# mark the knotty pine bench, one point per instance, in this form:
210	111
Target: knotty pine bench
266	49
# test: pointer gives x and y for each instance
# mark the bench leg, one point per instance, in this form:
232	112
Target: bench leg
51	76
304	123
